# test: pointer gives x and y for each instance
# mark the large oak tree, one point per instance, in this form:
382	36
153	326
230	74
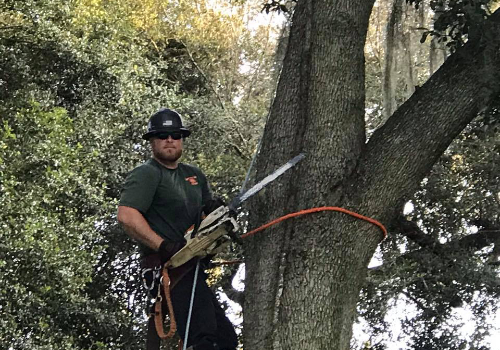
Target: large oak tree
303	277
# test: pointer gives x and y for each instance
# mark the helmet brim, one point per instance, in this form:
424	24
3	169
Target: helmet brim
185	132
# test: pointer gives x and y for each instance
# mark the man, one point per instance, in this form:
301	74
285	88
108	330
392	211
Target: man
160	200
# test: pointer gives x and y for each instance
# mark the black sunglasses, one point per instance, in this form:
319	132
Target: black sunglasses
174	135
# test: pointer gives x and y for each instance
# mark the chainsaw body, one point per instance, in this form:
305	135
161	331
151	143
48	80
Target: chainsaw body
210	239
212	235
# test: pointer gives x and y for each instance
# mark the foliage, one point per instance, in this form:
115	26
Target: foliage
49	200
78	82
278	6
433	265
456	20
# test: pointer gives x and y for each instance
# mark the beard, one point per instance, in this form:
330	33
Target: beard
167	155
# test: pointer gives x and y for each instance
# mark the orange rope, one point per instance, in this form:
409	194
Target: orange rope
315	210
158	308
166	279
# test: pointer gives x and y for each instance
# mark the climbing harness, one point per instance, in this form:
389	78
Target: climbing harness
165	282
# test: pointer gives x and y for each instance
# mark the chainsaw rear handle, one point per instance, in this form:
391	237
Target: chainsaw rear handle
211	237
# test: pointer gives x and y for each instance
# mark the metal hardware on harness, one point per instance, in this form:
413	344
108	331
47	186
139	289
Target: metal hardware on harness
155	275
165	283
159	299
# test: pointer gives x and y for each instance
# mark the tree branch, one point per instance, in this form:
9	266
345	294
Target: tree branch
406	147
214	90
474	242
411	230
12	27
219	98
470	243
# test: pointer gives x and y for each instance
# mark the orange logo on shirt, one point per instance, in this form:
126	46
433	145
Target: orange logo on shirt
192	180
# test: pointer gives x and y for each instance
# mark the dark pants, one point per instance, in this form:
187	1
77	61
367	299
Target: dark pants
209	327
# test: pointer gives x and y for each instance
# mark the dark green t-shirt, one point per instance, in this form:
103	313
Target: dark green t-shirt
171	200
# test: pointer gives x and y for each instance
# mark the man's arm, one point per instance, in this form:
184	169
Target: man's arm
137	227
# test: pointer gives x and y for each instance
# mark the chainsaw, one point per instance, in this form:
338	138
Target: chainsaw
216	230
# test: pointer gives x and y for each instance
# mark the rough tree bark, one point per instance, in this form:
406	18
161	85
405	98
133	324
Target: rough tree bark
304	275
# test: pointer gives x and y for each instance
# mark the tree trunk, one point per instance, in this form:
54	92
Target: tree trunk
437	50
303	276
391	43
318	109
407	53
437	55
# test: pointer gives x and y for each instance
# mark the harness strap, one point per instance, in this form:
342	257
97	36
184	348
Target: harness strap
165	281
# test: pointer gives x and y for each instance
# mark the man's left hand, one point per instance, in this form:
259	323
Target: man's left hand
168	250
213	204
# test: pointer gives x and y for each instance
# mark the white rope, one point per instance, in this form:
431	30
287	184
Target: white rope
186	334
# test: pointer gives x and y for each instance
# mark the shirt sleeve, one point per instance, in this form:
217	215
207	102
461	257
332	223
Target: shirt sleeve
140	188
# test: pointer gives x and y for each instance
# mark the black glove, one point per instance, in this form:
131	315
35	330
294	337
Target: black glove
168	250
206	262
213	204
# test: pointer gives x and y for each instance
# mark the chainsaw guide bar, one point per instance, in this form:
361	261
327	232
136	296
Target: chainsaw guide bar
212	236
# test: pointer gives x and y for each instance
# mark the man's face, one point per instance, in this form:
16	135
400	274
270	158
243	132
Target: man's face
165	148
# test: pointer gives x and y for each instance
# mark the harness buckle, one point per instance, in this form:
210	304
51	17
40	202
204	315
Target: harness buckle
155	274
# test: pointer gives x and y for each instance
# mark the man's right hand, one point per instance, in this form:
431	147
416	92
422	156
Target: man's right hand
168	250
